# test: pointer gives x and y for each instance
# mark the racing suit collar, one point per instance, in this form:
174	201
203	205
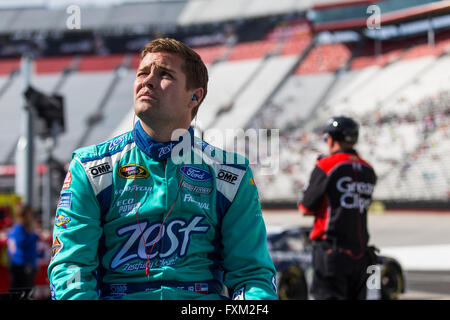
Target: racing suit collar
156	150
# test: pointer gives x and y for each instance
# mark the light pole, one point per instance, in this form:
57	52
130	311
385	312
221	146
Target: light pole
24	178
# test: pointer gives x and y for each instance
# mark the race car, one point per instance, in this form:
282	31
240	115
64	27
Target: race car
291	252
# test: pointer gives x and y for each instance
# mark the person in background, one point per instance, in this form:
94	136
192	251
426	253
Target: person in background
22	250
338	195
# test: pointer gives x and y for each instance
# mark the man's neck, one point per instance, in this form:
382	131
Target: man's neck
163	133
340	146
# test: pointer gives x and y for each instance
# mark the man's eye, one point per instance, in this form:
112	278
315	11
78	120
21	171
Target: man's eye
165	74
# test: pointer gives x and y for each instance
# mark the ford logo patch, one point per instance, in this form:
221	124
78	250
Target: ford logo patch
196	174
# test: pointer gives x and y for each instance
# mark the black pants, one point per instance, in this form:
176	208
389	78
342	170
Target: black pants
337	276
22	278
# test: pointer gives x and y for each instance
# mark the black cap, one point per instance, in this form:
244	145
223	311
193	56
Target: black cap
342	128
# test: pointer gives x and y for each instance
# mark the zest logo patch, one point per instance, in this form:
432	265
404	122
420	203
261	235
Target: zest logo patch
133	171
176	235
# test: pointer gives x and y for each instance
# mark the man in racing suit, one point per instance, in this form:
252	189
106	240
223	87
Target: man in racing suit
152	214
338	195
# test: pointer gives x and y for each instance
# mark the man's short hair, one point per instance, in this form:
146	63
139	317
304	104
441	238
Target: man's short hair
194	67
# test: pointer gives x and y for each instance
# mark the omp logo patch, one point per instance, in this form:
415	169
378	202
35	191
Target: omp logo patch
227	176
133	171
100	169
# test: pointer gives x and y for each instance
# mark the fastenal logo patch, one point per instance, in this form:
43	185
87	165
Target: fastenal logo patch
100	169
201	205
195	174
133	171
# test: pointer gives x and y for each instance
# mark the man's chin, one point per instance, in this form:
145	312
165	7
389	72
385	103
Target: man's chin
143	107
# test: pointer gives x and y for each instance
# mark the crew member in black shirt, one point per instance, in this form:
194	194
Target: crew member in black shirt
338	195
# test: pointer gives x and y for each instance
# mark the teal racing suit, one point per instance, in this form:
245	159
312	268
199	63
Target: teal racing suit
135	222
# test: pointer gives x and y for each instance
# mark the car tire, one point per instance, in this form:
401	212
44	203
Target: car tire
392	282
292	284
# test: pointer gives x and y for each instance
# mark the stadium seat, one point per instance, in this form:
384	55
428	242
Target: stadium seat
325	58
227	79
212	53
252	50
100	63
296	45
52	64
83	92
270	74
8	65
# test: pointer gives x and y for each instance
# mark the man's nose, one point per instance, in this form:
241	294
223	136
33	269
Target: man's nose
149	80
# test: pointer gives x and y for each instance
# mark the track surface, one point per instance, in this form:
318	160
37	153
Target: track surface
420	240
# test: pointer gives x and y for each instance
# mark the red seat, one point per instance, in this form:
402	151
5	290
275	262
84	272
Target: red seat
8	65
100	63
390	51
252	50
52	65
295	45
325	58
209	54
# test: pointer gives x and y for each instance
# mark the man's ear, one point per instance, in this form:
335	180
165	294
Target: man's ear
197	97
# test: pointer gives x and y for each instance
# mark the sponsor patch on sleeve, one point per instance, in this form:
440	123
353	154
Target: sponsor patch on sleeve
67	180
56	247
61	221
65	200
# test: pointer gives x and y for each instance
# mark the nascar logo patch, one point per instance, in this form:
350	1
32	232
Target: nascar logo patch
133	171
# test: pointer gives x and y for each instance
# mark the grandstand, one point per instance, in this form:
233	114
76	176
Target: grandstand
283	64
